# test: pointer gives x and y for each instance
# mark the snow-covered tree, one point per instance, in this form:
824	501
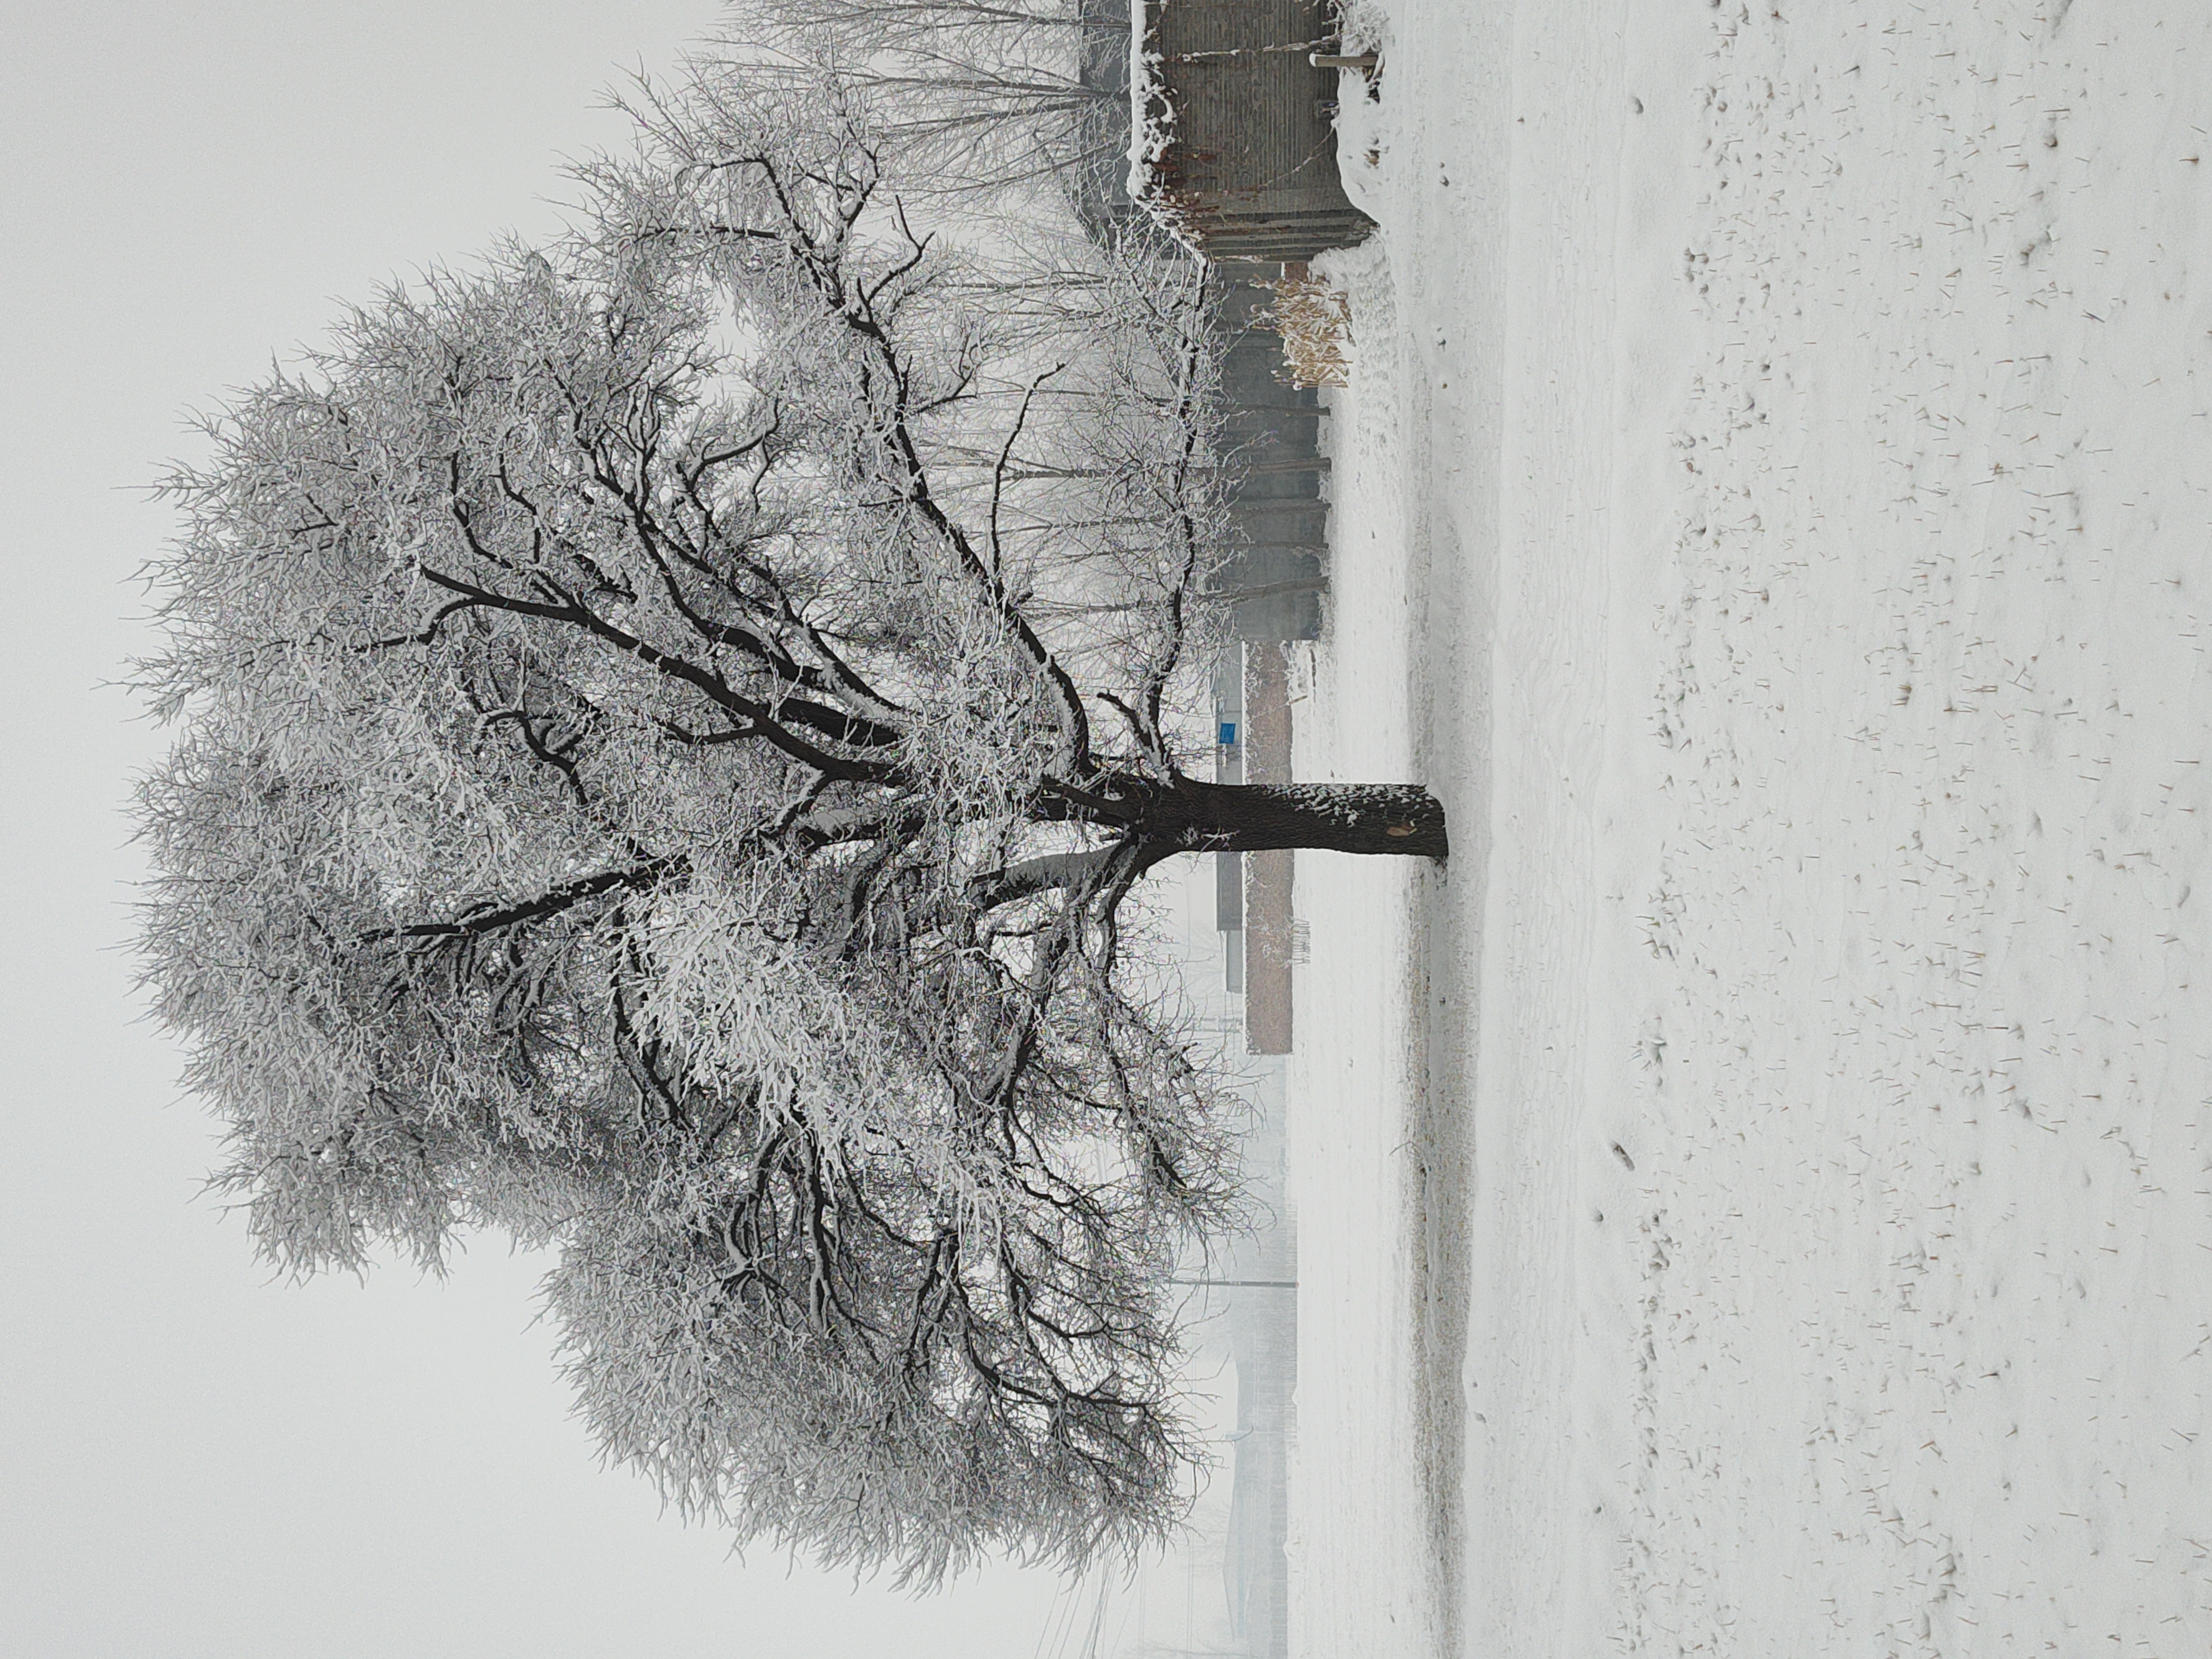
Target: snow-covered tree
672	722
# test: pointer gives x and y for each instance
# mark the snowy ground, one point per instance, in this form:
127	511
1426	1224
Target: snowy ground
1755	1202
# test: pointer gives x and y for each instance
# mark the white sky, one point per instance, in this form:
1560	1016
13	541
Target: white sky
195	1460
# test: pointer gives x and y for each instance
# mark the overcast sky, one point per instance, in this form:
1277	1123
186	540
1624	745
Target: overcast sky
195	1460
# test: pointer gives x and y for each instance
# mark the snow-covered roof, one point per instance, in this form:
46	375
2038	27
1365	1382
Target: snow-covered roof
1152	117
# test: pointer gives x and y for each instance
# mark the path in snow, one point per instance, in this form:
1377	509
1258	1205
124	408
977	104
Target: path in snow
1775	499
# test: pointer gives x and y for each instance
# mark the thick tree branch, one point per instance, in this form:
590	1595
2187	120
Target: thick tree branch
487	918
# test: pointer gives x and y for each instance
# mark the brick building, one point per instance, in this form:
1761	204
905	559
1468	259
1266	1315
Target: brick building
1236	143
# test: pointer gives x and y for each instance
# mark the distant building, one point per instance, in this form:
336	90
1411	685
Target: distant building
1234	147
1280	568
1098	181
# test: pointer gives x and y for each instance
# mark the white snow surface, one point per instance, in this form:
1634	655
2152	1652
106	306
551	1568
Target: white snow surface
1754	1201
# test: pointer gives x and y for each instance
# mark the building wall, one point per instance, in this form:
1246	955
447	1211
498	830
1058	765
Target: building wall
1281	520
1249	171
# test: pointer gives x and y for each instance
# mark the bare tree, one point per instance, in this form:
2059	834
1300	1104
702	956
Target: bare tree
1012	99
673	726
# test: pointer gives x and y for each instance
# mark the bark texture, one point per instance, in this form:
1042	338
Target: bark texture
1194	816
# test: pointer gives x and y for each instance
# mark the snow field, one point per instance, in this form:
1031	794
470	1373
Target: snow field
1773	503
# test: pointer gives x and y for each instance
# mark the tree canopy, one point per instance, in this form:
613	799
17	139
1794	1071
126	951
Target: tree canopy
671	721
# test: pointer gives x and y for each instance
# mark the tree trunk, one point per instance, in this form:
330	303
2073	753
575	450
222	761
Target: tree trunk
1194	816
1158	820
